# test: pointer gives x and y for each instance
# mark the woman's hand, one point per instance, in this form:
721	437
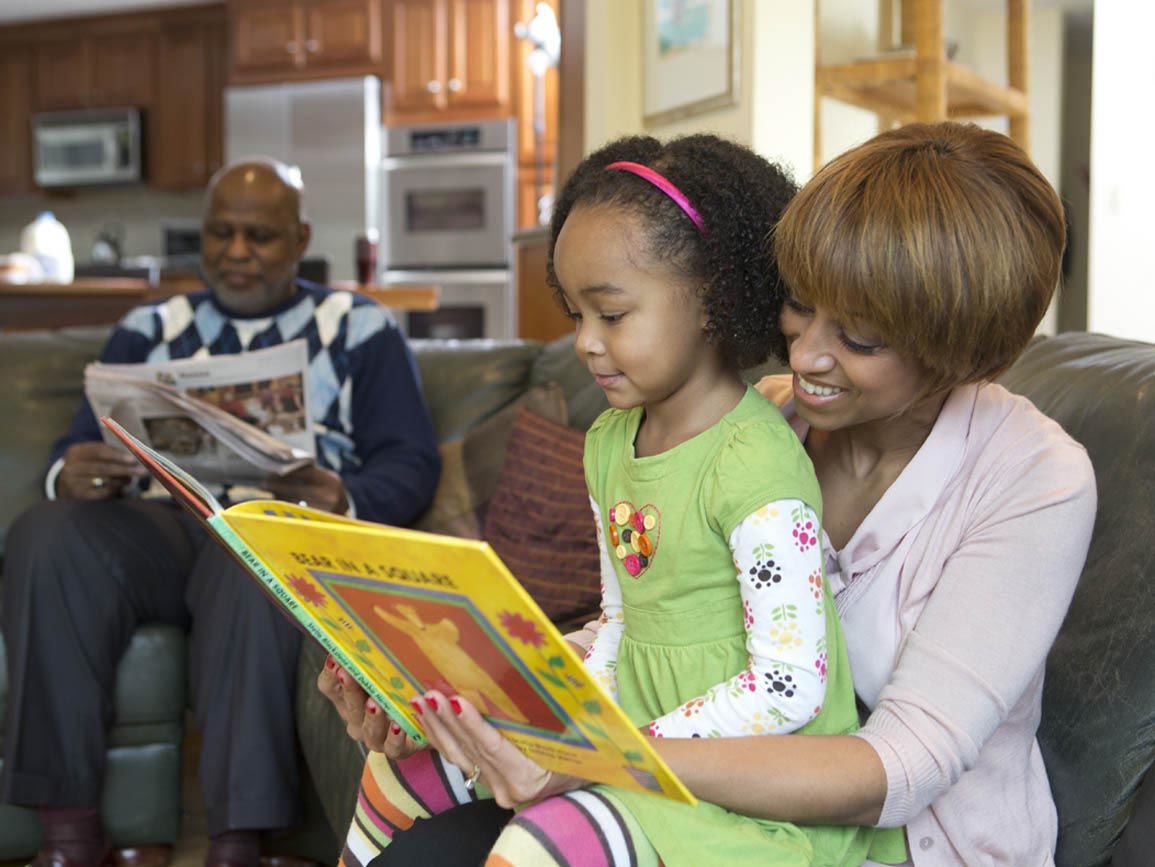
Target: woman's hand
457	730
365	722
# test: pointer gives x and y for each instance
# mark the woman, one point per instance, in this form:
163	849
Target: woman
957	517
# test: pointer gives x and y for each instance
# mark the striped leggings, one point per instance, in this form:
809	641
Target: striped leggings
582	828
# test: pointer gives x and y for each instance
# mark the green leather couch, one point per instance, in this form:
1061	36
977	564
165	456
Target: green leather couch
1098	731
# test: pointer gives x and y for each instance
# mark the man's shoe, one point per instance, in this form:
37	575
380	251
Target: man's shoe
142	856
53	857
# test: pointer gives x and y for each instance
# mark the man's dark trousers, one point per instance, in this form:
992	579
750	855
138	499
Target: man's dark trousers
79	578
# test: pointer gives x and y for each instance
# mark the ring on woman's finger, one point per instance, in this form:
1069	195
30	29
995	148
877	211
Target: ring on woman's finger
304	504
471	780
99	481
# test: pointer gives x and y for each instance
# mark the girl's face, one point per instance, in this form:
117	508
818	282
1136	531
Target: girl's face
844	373
640	327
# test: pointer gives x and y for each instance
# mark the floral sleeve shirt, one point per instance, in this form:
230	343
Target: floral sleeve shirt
784	683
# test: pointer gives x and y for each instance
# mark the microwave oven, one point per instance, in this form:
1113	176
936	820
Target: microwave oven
87	147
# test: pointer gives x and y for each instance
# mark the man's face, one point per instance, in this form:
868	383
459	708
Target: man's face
252	242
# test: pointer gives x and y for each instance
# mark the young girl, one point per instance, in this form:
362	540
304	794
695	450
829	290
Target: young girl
716	618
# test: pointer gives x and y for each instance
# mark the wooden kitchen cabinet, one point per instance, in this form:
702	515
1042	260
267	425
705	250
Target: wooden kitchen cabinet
61	75
169	63
267	37
449	60
186	129
15	120
418	45
96	65
282	40
123	65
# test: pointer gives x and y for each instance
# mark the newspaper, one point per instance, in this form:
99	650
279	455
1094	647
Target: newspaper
228	419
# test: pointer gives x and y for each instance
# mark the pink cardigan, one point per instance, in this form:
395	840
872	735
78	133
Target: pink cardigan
978	544
952	592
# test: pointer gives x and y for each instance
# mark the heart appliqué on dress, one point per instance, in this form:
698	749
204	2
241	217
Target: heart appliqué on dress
634	534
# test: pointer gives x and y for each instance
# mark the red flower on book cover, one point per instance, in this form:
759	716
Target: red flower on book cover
522	629
308	591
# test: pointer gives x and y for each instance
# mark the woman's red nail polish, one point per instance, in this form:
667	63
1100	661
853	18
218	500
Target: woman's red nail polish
370	706
341	676
432	701
329	664
416	702
396	729
456	705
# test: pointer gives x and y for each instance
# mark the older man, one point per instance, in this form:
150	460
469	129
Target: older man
88	565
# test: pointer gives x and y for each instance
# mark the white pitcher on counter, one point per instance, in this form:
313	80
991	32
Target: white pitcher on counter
48	240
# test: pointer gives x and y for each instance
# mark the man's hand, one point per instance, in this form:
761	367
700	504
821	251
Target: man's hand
96	471
364	720
314	486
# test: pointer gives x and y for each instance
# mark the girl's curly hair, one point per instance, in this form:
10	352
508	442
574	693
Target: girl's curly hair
740	197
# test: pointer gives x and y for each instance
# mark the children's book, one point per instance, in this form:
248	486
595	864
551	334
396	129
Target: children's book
404	612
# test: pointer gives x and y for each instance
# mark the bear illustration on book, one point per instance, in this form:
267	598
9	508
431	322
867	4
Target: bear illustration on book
440	644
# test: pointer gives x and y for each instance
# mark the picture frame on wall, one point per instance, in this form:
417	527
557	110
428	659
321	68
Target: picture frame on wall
690	58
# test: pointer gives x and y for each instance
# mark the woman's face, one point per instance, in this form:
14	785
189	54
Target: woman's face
844	373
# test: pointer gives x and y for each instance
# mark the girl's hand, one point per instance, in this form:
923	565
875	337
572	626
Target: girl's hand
457	730
365	722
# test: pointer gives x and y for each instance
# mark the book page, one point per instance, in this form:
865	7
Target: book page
414	611
226	418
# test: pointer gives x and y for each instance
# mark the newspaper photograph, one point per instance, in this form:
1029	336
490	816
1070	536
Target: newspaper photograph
233	419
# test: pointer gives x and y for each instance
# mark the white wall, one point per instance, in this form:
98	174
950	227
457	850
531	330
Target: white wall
775	88
1120	296
782	111
848	30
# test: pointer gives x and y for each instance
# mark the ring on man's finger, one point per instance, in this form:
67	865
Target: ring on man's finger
99	481
471	780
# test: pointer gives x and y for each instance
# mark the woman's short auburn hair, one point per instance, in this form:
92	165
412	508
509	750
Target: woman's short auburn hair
944	237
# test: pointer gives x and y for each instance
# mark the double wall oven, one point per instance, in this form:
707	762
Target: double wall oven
447	219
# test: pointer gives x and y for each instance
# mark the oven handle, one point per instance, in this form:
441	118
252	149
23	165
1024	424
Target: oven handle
439	161
458	278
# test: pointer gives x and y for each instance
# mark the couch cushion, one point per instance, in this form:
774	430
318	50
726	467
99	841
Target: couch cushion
471	465
39	391
467	381
1098	726
558	363
540	523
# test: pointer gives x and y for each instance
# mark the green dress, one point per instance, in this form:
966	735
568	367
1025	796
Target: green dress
684	629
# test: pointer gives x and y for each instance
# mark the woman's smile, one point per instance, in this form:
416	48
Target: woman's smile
815	394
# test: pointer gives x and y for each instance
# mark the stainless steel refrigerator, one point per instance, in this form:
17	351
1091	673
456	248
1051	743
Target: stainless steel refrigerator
330	130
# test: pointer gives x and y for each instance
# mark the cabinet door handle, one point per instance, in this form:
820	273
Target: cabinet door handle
433	86
312	46
292	47
455	85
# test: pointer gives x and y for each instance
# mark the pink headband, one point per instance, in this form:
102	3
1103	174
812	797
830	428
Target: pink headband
663	184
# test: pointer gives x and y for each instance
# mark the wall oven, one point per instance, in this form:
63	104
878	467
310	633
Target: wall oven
447	218
87	147
448	194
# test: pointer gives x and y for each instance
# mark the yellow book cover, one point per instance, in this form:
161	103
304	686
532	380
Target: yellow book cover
405	612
